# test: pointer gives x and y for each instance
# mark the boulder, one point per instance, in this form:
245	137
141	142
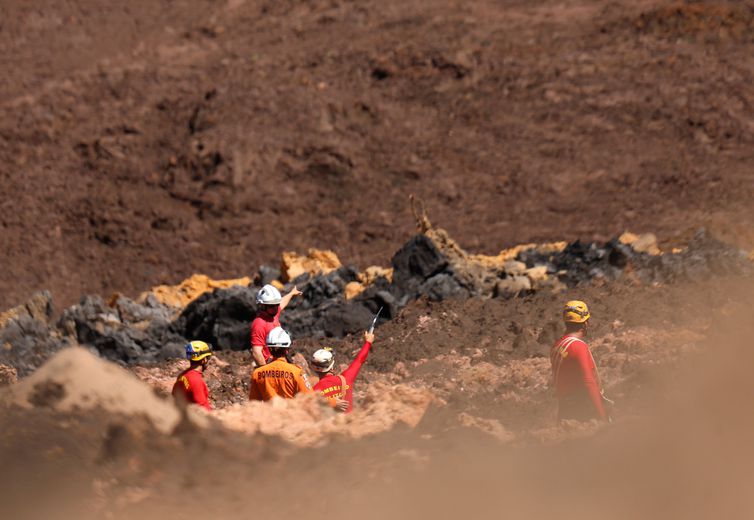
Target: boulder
512	286
94	323
150	311
346	318
221	318
267	275
442	286
537	273
316	261
38	307
514	267
178	296
325	287
353	289
646	243
372	273
418	260
26	343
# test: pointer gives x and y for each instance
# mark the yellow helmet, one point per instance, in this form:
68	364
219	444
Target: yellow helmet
198	350
575	311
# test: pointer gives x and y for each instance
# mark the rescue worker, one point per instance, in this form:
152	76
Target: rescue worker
279	377
339	387
269	306
190	387
574	373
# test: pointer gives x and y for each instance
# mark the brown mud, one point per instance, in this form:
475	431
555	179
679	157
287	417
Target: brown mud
144	143
678	446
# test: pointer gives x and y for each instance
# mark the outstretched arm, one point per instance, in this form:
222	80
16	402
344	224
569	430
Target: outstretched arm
285	300
353	369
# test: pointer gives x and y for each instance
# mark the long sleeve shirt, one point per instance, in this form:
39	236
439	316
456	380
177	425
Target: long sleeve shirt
330	385
191	388
576	381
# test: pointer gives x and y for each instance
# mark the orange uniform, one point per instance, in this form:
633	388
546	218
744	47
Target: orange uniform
278	379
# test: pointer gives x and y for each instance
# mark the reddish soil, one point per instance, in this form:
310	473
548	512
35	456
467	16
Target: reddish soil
143	142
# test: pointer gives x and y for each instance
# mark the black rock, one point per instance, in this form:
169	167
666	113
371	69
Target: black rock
346	318
151	311
442	286
221	318
418	260
324	287
267	274
96	324
31	343
375	298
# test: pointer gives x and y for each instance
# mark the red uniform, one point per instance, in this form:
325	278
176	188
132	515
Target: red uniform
191	388
330	385
260	327
577	385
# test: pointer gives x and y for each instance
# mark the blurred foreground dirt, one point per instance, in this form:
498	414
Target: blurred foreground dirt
474	419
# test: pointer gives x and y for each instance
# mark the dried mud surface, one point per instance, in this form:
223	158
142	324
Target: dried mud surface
146	142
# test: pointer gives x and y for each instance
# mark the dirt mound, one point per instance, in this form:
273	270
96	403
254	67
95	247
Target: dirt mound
307	421
76	379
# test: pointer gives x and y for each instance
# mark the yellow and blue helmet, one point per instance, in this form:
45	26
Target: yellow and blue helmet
576	311
198	350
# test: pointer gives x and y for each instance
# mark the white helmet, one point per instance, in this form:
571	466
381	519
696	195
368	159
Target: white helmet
278	338
323	360
268	295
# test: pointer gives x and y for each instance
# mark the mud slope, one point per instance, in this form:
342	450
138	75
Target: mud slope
143	143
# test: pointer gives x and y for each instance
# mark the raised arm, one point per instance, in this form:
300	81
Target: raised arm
352	372
285	300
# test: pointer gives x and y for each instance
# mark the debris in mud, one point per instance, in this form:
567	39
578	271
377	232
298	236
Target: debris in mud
38	307
8	375
315	262
110	331
188	290
339	300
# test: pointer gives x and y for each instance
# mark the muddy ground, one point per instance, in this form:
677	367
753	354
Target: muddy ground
149	141
675	359
144	142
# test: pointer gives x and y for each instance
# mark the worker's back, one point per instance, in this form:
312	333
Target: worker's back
277	379
574	375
